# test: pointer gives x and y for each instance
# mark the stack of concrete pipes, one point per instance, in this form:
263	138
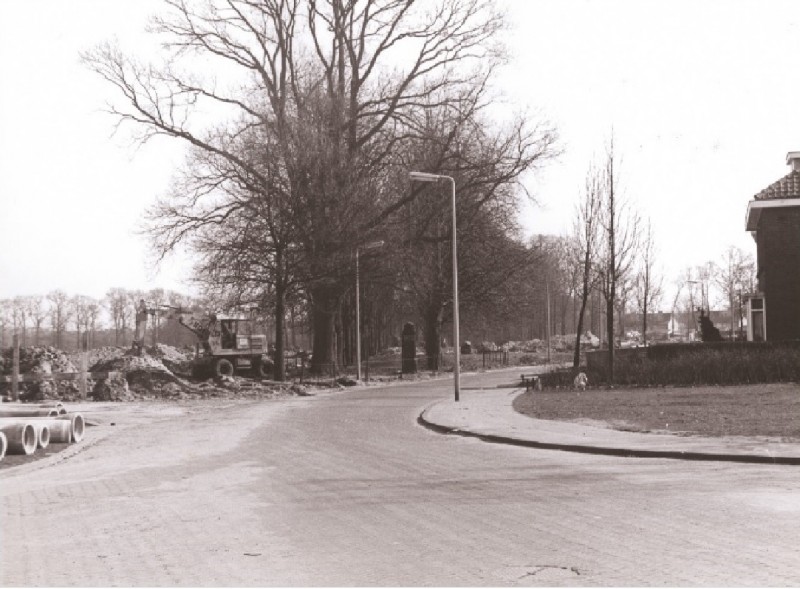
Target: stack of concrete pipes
24	428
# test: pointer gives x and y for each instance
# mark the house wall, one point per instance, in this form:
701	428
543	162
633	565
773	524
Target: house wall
778	251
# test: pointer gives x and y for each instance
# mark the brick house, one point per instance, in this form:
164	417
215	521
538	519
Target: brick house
773	218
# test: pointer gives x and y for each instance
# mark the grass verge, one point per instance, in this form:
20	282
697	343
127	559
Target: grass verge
769	410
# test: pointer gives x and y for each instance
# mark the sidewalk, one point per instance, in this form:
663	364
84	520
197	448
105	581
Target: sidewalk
487	414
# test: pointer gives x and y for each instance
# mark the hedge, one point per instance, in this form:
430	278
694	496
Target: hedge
718	363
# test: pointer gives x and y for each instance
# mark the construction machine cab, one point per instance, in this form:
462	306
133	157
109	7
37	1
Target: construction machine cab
229	330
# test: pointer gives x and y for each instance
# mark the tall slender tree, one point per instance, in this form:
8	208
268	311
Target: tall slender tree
733	277
586	237
648	286
620	226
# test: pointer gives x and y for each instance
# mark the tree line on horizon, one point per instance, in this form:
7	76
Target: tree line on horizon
517	314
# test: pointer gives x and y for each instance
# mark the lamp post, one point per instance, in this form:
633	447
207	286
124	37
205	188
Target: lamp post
369	246
436	178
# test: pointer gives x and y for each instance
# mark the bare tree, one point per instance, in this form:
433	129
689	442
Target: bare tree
93	311
706	276
648	287
734	277
5	320
19	318
80	312
586	236
60	315
625	292
620	226
37	313
117	303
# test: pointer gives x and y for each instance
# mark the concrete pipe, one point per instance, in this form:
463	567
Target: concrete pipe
3	445
21	437
60	429
78	425
23	411
48	405
42	434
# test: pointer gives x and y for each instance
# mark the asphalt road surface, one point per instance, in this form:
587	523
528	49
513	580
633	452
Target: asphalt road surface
347	489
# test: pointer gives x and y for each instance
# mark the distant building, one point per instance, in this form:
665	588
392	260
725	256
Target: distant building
773	218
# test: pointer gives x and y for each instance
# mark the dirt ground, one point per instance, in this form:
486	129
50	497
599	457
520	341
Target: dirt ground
771	410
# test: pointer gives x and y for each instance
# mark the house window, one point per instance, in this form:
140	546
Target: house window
756	327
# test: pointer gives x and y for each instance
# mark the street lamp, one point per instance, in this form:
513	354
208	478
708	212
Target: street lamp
369	246
436	178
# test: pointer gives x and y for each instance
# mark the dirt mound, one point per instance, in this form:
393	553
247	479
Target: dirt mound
176	360
138	377
40	360
97	355
157	374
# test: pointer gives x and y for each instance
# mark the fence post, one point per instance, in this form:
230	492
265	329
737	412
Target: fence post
84	364
15	368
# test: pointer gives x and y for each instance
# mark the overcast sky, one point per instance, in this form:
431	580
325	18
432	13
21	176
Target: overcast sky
702	98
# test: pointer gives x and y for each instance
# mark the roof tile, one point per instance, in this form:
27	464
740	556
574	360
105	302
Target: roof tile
786	187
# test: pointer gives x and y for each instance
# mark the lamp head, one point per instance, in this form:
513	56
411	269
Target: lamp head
425	177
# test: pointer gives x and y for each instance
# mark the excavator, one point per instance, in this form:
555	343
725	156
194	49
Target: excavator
224	346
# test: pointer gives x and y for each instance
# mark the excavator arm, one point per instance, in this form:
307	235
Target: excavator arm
202	327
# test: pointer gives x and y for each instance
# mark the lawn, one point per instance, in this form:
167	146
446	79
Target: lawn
771	410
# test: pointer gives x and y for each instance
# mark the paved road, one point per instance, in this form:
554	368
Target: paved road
347	489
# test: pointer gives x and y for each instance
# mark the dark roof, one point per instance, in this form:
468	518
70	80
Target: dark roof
786	187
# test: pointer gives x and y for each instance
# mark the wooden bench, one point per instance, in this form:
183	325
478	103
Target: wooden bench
531	381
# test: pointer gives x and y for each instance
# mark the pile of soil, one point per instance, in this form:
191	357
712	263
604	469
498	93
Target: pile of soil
159	373
138	377
176	360
40	360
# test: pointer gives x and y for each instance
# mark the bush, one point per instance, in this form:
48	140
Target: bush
559	379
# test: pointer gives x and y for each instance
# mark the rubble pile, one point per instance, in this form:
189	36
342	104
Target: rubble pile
97	355
140	377
41	360
159	373
178	361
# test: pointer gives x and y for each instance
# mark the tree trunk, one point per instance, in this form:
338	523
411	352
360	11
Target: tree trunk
733	317
576	359
645	305
610	334
280	310
323	316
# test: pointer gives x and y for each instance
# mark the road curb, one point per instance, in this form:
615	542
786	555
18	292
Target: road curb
607	450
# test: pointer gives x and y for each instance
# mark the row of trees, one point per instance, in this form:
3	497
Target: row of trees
46	320
612	251
329	104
